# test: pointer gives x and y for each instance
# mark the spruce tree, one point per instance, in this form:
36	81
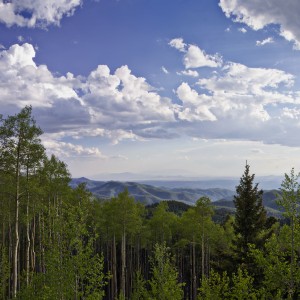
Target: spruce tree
250	214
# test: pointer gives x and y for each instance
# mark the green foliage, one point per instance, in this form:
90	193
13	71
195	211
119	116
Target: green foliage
162	224
250	214
274	263
242	286
140	291
215	287
221	287
72	268
164	282
4	271
289	198
196	222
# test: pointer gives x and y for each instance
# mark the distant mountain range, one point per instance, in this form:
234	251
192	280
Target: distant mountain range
189	180
149	194
269	201
186	192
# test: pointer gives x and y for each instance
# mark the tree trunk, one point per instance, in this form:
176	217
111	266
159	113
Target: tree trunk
291	289
202	250
27	232
114	269
123	268
32	245
194	270
17	238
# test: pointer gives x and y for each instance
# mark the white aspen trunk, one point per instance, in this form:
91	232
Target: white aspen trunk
123	268
27	253
203	256
194	270
27	235
17	238
32	245
114	266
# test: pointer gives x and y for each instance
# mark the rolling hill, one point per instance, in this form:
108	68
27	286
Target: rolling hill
269	201
148	194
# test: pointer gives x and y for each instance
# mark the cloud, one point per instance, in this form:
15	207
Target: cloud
242	30
20	38
291	113
63	149
103	99
195	107
239	102
241	89
259	14
195	57
41	13
112	105
164	70
178	44
122	99
22	82
268	40
233	102
191	73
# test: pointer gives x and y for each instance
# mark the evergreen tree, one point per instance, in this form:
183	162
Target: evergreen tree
250	214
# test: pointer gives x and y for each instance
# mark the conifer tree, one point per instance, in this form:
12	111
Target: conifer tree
250	214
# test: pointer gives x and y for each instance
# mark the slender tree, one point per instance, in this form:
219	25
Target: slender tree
197	228
250	214
19	139
289	199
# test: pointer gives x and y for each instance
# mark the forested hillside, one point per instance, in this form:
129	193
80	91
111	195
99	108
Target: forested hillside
59	242
149	194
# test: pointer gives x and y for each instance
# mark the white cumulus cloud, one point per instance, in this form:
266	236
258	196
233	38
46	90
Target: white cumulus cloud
235	101
195	107
114	105
268	40
63	149
196	58
259	14
178	44
191	73
41	13
22	82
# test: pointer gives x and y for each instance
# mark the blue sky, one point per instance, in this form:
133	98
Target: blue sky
157	88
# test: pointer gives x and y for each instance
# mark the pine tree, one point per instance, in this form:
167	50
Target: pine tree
250	214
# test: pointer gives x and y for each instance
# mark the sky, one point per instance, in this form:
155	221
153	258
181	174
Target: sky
157	89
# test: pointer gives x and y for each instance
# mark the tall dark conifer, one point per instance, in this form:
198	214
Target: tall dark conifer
250	214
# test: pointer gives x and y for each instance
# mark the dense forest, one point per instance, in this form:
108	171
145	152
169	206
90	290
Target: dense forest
62	243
